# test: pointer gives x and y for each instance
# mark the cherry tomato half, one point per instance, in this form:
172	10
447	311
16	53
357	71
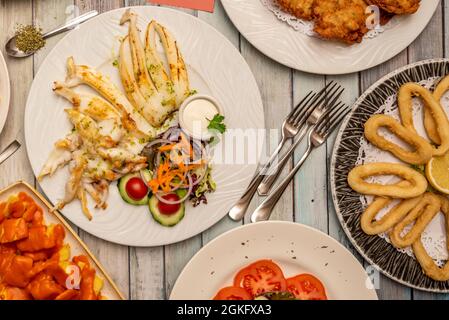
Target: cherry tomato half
306	287
260	277
166	208
136	188
232	293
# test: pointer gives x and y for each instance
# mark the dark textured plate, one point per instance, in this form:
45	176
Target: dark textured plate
394	264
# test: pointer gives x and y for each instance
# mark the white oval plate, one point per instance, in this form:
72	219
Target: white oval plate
295	247
5	92
282	43
215	67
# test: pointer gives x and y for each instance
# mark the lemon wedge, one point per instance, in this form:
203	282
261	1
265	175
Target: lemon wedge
437	172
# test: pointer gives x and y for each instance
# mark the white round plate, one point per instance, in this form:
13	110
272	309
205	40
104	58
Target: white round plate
5	92
215	68
282	43
295	247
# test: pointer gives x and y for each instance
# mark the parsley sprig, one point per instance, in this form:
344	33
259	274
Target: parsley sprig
217	123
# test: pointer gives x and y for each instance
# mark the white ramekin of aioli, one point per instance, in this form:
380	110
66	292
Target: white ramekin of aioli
195	114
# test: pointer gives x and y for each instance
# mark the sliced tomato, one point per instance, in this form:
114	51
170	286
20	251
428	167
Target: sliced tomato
136	188
232	293
306	287
260	277
169	209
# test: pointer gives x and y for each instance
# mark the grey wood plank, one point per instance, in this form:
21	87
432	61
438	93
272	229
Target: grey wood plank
445	31
310	182
99	5
115	258
147	276
275	84
129	3
388	288
430	44
21	75
221	22
48	15
351	84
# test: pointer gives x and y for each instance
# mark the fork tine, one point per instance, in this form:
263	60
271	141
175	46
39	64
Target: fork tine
298	113
299	120
327	115
304	100
334	95
335	99
337	121
334	119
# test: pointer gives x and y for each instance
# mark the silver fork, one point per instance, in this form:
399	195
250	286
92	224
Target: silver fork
316	137
274	171
291	126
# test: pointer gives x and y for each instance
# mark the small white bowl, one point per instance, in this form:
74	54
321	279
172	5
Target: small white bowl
185	128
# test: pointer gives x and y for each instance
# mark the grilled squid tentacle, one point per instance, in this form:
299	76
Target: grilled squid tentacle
60	155
99	191
137	51
157	69
178	70
78	74
73	184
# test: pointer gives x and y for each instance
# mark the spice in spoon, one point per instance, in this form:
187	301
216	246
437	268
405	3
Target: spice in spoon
29	38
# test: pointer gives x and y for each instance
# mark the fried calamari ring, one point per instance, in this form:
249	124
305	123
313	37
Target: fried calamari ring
405	95
397	6
396	214
429	122
422	214
423	149
357	176
427	264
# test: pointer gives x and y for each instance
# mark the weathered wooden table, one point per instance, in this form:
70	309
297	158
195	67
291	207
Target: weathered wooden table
150	273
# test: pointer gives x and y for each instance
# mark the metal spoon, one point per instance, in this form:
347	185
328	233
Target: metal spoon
9	151
13	51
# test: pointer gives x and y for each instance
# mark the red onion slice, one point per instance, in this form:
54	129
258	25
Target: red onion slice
158	141
189	191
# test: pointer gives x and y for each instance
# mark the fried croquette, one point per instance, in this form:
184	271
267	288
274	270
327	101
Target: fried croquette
343	20
397	6
302	9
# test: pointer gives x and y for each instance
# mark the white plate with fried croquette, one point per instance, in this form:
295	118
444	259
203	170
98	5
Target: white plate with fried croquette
340	45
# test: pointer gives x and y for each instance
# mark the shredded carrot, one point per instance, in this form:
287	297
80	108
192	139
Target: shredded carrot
167	147
174	167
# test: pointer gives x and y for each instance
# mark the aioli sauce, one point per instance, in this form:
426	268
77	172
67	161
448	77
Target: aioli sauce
197	115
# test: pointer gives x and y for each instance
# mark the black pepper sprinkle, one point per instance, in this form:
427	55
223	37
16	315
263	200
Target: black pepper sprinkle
294	258
333	251
323	247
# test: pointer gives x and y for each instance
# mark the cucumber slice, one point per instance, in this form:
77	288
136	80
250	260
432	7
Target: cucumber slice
122	188
165	219
181	193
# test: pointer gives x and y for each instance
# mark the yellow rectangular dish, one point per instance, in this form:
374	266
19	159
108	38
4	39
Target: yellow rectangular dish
77	246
